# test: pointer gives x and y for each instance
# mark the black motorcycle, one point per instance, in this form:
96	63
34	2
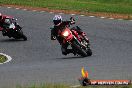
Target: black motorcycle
12	29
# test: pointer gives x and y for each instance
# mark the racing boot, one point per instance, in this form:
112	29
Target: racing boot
68	51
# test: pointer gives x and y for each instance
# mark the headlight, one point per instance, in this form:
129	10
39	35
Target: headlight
66	33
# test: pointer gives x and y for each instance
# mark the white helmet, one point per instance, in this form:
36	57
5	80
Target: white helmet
57	19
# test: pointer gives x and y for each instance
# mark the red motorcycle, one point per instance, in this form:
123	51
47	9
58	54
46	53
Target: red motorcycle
77	42
12	29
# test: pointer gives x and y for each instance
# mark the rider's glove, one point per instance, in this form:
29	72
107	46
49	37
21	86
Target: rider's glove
72	20
53	37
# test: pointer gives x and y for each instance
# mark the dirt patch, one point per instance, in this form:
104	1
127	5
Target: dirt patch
97	14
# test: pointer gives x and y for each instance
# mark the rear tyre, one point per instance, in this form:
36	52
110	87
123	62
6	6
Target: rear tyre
79	50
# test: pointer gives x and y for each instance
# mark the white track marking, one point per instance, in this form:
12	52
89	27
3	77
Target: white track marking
70	14
34	10
111	18
42	11
17	8
9	7
91	16
8	58
24	9
102	17
61	13
82	15
51	12
73	14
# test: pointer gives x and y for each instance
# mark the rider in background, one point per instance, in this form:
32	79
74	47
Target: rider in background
59	25
5	21
2	19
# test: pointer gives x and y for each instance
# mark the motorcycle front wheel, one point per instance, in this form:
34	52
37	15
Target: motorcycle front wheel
78	49
22	35
89	52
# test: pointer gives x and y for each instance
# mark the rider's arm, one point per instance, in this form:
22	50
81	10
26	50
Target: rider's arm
72	21
53	34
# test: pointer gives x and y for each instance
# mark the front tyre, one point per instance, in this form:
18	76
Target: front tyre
78	49
89	52
24	37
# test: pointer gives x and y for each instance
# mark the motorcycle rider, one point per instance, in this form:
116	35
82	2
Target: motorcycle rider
6	20
59	25
1	22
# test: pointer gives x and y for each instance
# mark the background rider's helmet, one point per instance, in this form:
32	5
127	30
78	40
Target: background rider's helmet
57	19
0	16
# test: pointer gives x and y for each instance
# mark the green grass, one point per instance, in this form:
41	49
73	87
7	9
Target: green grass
109	6
45	86
2	58
66	86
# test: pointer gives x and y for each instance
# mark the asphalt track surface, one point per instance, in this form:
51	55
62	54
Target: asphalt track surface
39	60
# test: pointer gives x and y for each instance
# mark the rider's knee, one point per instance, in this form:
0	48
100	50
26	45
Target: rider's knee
64	51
